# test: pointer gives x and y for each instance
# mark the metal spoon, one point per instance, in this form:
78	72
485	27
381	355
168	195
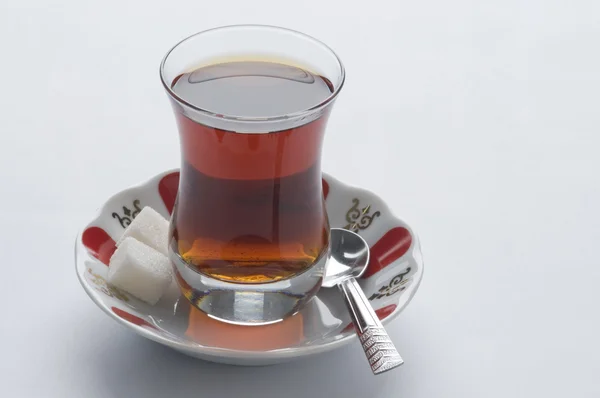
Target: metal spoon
349	259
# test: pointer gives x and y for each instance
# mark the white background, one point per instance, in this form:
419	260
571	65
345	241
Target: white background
478	121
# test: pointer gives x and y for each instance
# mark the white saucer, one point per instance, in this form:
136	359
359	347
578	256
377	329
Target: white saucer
391	280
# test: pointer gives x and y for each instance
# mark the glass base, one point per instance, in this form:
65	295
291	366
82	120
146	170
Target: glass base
248	304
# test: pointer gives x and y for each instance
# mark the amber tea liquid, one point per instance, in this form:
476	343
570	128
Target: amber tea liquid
250	206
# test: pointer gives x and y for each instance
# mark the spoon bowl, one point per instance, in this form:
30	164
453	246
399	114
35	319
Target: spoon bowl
349	257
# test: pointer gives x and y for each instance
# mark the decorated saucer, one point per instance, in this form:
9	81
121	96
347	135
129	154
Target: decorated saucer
390	281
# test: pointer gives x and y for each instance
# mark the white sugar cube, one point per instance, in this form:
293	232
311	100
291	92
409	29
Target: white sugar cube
140	270
150	228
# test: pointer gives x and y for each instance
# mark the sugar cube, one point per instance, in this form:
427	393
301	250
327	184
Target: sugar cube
150	228
140	270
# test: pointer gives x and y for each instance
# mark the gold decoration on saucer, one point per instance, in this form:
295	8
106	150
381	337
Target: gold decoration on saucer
128	215
397	284
358	218
106	288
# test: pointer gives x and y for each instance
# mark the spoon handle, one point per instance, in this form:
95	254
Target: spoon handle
376	343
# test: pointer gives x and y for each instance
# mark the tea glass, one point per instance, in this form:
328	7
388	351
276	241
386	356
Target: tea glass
249	233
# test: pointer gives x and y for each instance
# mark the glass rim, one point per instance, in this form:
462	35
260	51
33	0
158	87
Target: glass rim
257	119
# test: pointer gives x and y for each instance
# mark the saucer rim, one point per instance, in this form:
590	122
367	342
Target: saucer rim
195	349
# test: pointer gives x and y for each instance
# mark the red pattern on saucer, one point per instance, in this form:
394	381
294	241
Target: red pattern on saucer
393	245
99	243
325	189
136	320
167	188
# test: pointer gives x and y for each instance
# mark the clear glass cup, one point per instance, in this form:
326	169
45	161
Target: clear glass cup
249	236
